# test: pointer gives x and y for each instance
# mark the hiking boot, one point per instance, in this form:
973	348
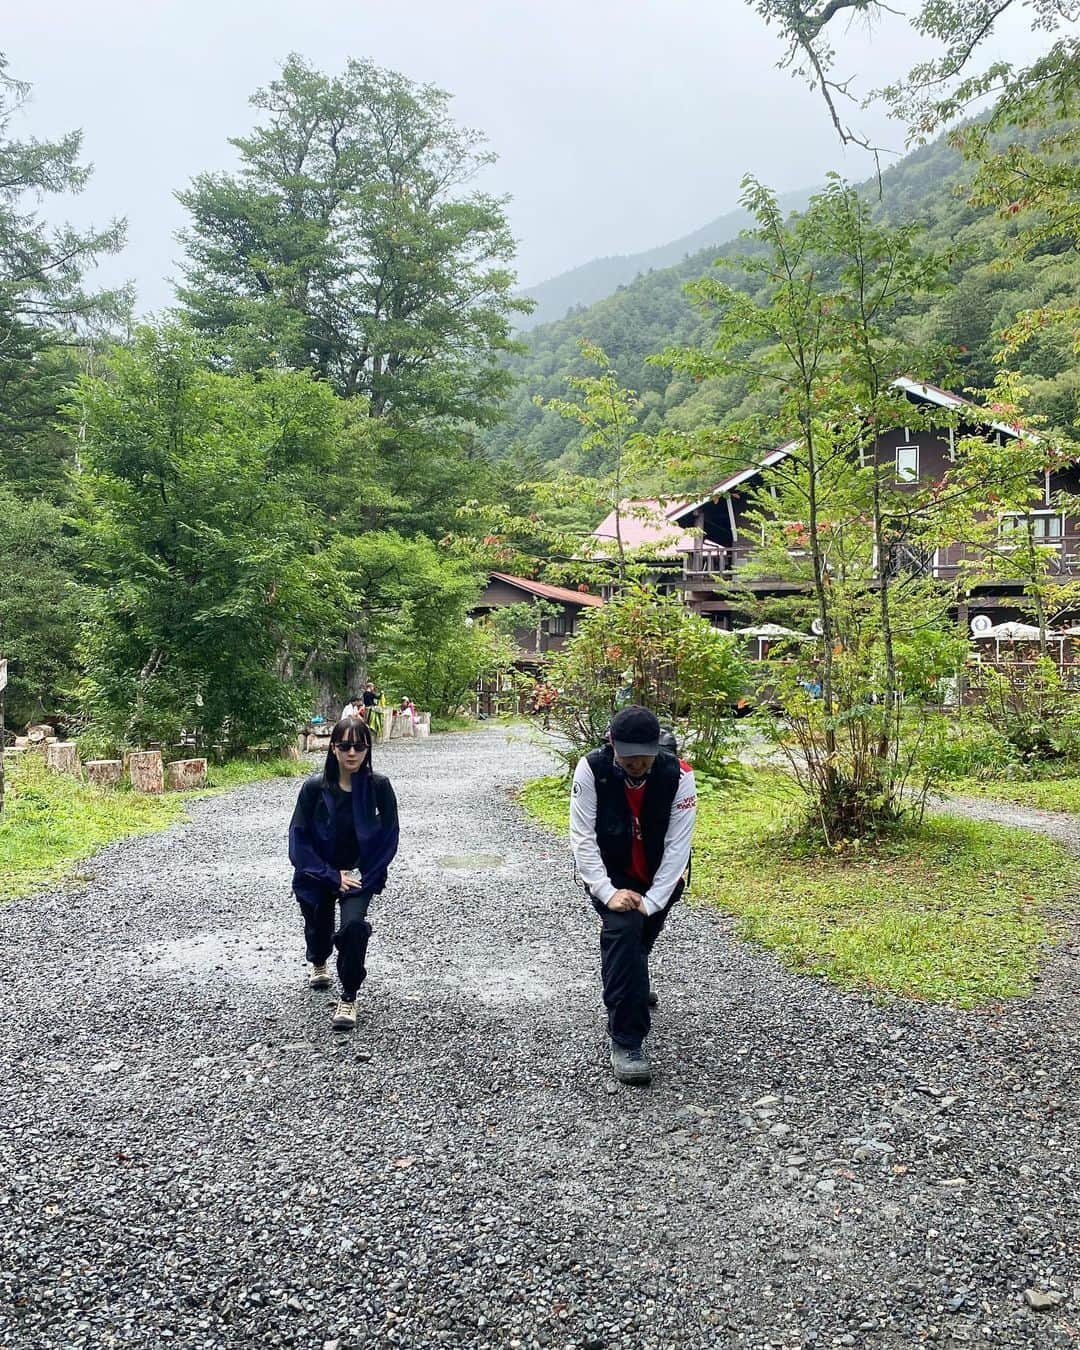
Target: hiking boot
319	977
344	1016
631	1066
654	998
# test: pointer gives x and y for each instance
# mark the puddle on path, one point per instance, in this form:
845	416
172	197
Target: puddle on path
471	862
259	955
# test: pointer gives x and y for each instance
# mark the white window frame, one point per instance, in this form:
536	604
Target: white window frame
903	476
1046	515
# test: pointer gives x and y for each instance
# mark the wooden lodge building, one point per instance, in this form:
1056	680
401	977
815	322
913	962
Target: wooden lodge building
700	545
562	608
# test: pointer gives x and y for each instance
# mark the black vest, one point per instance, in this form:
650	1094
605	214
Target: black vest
614	825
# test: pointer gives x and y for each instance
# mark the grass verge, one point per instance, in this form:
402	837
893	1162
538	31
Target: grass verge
51	821
956	912
1046	794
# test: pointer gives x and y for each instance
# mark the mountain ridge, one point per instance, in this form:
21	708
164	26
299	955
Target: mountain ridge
588	282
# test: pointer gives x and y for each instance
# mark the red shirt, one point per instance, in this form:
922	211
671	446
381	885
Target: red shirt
639	863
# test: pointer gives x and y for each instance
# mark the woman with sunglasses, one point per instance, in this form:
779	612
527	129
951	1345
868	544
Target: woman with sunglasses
342	838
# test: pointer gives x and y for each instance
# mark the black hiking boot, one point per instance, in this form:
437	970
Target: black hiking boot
631	1066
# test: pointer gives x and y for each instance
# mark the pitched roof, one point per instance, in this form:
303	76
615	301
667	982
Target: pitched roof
919	389
932	394
546	591
741	476
647	523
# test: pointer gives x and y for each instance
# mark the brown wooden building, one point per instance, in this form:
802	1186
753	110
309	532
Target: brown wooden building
706	542
562	608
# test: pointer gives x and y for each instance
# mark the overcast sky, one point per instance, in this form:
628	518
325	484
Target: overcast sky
619	124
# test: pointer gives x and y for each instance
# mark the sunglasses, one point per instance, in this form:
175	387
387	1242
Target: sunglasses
351	747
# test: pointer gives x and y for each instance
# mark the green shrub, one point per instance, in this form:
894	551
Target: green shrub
968	748
643	647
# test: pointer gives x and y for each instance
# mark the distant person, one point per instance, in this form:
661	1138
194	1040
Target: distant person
342	838
370	698
354	707
632	812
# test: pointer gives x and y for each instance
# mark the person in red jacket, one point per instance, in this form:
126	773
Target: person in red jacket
632	813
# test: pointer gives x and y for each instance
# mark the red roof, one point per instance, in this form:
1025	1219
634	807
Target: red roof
645	523
546	592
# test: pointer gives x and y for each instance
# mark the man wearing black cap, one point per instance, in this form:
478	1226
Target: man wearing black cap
632	811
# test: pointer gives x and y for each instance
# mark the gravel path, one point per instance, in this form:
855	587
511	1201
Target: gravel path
189	1156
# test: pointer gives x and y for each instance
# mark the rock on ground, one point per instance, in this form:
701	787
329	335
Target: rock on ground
190	1156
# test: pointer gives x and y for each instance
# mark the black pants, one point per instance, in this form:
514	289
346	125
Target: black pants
351	938
626	939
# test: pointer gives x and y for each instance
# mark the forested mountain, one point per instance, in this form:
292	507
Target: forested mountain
594	280
653	313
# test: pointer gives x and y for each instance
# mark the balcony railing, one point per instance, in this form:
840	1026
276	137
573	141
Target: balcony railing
717	562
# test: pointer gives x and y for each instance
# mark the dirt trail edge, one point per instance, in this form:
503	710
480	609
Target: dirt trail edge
190	1156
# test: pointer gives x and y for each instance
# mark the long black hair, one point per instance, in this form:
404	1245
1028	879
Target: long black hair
348	729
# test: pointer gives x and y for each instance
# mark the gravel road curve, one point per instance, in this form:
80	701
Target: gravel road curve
189	1156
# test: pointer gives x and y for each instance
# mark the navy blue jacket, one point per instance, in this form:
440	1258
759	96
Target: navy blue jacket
311	835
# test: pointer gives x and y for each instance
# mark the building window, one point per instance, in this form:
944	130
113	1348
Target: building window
557	624
907	463
1044	527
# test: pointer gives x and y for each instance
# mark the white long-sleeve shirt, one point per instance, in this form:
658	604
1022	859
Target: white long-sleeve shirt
677	839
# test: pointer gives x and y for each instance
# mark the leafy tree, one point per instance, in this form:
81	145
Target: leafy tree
211	581
1025	149
47	314
45	308
645	647
399	593
41	605
346	244
434	653
818	331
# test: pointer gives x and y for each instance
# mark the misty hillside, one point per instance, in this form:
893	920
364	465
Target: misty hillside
652	313
592	281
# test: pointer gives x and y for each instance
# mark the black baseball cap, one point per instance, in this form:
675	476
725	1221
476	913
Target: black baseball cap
635	731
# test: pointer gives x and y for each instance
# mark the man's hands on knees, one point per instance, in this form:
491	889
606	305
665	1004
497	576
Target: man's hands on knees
624	900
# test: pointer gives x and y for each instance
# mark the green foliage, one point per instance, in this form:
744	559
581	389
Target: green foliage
52	820
44	305
814	328
205	550
41	605
435	656
953	329
404	598
643	647
1031	707
345	244
967	747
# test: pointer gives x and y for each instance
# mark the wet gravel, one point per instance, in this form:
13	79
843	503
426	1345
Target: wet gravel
190	1156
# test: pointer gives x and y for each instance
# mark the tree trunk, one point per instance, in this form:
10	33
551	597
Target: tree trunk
147	773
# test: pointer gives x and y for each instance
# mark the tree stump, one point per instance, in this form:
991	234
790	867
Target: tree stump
38	735
423	725
184	774
145	768
63	757
104	772
396	730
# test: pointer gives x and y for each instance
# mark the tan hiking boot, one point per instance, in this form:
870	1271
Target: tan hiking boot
319	977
